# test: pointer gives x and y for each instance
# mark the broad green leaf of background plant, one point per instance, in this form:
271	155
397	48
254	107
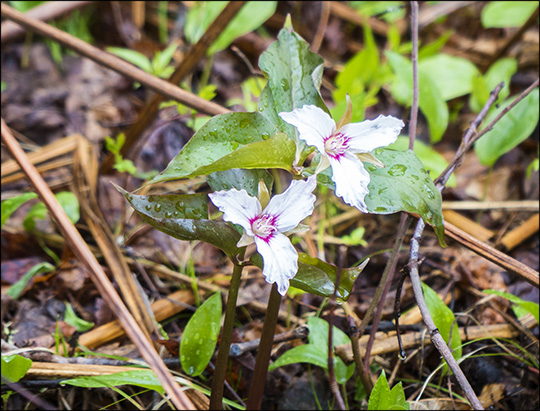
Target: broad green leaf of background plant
316	351
444	320
294	76
240	179
223	135
67	200
452	75
200	336
14	367
389	11
513	128
11	204
249	18
431	101
382	398
433	162
502	70
132	56
507	13
24	6
527	306
71	318
17	288
139	378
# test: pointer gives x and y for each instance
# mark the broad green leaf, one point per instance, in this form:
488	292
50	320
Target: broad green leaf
316	351
507	13
444	320
528	306
11	204
433	162
67	200
240	179
382	398
434	47
14	367
24	6
139	378
200	336
16	289
189	223
452	75
163	58
249	18
513	128
294	76
431	101
501	71
71	318
221	136
318	277
386	10
133	57
403	184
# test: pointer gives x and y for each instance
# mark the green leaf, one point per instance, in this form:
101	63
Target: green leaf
431	101
434	47
67	200
382	398
452	75
389	11
316	351
240	179
200	336
318	277
24	6
133	57
507	13
162	59
513	128
501	71
444	320
528	306
249	18
11	204
403	184
16	289
139	378
71	318
221	136
294	76
433	162
14	367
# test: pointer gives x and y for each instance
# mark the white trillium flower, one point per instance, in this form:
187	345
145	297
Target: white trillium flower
269	228
344	146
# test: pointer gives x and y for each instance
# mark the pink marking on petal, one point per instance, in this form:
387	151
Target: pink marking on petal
336	145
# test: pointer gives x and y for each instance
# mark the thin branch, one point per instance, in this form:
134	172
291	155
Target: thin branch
323	23
100	279
414	56
115	63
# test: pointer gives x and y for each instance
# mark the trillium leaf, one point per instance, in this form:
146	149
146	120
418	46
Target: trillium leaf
240	178
190	221
200	336
404	185
294	76
317	277
219	137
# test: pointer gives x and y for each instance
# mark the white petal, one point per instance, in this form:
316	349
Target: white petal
294	204
313	124
351	180
280	260
238	207
370	134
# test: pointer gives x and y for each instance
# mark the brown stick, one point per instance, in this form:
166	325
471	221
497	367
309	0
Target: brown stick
192	57
100	279
521	233
115	63
47	11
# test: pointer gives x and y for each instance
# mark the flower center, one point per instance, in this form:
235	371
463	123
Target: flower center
336	145
264	226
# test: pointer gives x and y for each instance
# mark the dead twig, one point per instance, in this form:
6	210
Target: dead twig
100	279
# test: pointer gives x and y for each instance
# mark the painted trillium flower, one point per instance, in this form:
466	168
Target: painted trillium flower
269	228
344	146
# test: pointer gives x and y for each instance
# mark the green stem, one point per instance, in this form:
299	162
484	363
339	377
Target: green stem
223	354
256	390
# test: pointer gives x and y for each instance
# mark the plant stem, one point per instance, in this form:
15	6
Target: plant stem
256	390
224	346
